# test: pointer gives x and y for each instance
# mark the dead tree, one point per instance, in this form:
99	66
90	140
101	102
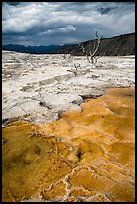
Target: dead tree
77	66
75	72
67	56
91	56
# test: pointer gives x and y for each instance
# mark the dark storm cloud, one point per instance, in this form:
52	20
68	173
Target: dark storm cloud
106	10
12	3
35	23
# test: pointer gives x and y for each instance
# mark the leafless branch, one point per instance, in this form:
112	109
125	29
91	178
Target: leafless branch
77	66
91	57
67	56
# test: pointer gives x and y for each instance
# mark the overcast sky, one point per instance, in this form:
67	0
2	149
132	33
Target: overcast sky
46	23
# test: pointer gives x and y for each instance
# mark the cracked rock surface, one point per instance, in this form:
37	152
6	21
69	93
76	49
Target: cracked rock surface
38	87
85	156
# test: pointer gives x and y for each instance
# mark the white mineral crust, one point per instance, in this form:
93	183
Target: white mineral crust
39	87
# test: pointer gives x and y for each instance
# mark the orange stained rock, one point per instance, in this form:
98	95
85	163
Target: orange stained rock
84	156
57	190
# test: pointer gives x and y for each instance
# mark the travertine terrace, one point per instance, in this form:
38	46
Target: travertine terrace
39	87
58	146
